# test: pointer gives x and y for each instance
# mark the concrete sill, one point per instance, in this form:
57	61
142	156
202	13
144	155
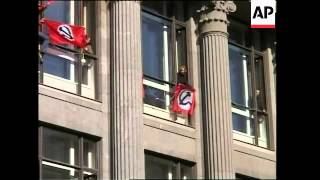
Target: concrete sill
70	98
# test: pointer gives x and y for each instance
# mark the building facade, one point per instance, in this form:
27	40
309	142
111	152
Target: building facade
106	113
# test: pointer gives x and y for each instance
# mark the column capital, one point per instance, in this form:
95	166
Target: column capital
213	16
137	1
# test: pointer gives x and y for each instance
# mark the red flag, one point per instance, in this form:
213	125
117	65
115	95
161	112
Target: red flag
61	33
184	100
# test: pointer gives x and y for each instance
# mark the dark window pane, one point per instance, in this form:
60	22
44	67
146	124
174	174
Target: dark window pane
54	173
156	45
239	33
154	97
60	146
155	6
243	124
181	56
89	153
240	76
257	40
260	88
90	177
166	8
57	66
158	168
186	171
241	176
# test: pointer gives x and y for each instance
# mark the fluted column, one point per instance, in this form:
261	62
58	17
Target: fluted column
216	95
126	89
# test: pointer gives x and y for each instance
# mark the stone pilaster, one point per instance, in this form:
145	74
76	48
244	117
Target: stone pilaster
126	89
216	89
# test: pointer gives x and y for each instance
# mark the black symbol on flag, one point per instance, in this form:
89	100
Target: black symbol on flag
66	31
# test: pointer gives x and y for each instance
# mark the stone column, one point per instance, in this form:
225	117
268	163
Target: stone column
127	152
216	95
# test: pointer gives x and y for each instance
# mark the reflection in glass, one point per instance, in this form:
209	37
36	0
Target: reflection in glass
186	171
260	89
89	153
155	42
58	11
58	66
55	173
60	146
154	97
243	124
158	168
181	56
240	75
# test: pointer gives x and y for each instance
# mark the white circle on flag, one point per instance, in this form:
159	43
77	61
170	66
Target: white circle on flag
185	99
65	31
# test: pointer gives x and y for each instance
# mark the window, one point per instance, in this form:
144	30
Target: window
164	56
67	156
248	90
241	176
157	167
64	67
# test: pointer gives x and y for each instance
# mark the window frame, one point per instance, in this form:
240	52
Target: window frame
238	109
167	86
76	85
62	165
174	160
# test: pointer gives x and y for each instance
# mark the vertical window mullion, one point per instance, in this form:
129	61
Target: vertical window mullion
173	49
80	156
254	98
41	66
40	151
79	21
178	169
173	57
41	59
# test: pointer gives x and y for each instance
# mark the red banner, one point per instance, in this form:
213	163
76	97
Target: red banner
61	33
184	99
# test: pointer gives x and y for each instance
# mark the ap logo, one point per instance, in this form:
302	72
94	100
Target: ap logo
263	13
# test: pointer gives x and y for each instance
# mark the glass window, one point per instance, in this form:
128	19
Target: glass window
241	176
60	66
243	124
89	153
164	53
61	153
58	11
60	146
157	167
155	41
186	171
260	86
239	33
167	8
58	172
240	76
248	90
154	97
